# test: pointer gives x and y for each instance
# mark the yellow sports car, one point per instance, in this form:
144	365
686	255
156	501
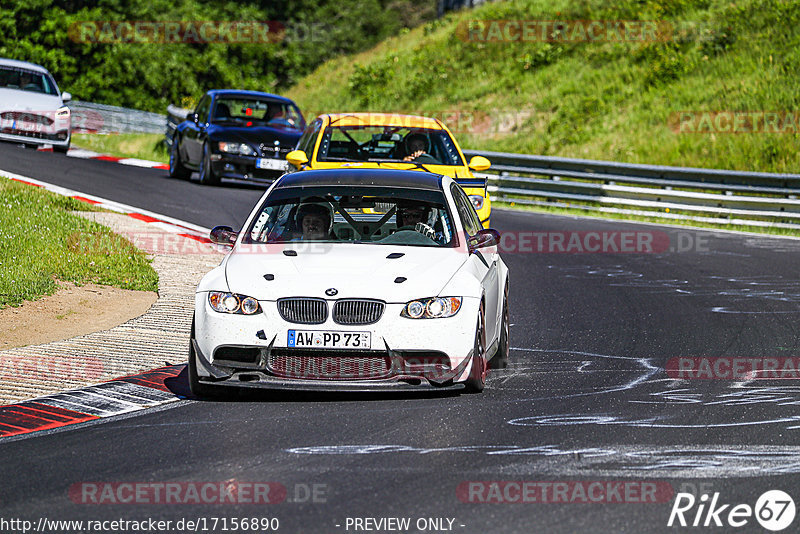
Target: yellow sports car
386	140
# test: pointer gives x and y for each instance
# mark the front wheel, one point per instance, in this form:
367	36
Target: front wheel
61	149
477	375
198	389
207	175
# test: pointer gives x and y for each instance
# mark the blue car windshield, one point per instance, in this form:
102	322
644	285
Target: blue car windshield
250	111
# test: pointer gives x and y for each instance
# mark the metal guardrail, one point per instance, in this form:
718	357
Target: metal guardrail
681	193
101	118
752	198
175	116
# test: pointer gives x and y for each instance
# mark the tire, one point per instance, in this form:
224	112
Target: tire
198	389
477	375
61	149
207	176
176	168
500	359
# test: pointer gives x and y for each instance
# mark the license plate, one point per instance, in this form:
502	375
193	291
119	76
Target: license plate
271	164
320	339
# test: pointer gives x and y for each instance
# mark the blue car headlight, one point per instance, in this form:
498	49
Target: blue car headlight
236	148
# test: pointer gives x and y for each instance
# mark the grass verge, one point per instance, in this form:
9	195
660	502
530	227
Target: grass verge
129	145
41	242
605	99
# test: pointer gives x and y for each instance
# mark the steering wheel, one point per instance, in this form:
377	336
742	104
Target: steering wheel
425	230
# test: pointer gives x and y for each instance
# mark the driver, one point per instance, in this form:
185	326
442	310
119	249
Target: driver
417	148
409	214
314	220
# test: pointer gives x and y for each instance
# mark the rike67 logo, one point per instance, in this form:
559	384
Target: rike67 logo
774	510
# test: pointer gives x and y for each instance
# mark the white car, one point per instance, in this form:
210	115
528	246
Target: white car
32	109
354	280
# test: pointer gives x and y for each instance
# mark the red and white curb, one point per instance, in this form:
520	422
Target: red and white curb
162	222
120	396
89	154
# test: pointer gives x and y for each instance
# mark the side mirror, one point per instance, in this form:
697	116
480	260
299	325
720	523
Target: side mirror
297	158
223	235
66	97
483	239
193	117
479	163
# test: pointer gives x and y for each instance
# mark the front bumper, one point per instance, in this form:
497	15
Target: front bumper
56	138
424	353
239	167
263	380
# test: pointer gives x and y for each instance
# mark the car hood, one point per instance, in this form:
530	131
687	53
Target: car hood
255	135
14	100
355	271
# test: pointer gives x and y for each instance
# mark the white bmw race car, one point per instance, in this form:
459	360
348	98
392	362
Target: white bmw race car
353	280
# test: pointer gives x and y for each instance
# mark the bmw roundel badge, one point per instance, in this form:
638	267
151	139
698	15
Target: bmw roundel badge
331	292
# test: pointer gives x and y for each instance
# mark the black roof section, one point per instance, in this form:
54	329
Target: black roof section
362	177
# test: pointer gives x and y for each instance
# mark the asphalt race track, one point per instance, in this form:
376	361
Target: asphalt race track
586	397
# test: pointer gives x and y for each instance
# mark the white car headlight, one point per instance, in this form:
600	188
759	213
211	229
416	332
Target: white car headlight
431	308
236	148
232	303
477	201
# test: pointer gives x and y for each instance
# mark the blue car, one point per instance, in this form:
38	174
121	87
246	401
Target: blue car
241	135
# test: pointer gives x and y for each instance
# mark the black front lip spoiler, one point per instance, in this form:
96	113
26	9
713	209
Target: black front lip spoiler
260	380
362	386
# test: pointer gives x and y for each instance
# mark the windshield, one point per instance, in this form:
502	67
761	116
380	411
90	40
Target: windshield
388	143
250	111
27	80
378	216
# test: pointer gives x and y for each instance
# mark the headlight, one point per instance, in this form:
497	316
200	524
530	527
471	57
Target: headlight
477	201
432	308
237	148
62	112
233	303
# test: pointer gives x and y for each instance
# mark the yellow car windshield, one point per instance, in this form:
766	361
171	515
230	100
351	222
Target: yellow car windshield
388	143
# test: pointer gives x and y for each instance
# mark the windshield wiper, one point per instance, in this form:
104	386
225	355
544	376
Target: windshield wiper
330	158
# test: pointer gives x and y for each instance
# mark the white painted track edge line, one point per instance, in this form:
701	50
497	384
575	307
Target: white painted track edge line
105	203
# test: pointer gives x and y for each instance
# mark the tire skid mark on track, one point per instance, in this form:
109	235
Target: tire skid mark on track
122	395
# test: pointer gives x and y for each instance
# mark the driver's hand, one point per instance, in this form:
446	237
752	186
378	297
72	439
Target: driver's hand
414	156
